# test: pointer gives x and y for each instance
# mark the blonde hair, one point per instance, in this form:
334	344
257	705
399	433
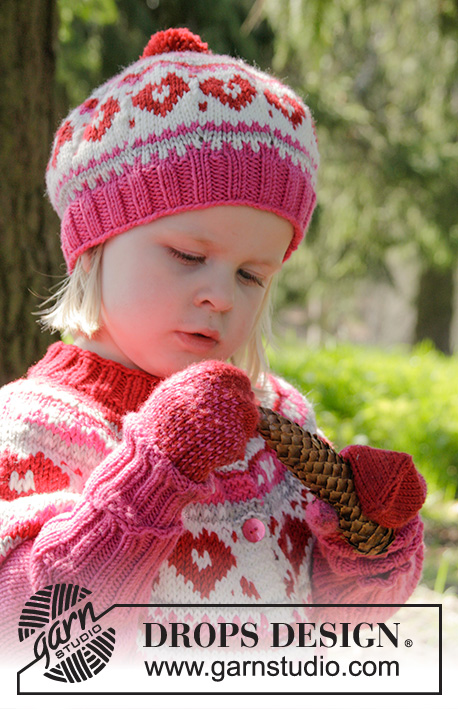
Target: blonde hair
74	309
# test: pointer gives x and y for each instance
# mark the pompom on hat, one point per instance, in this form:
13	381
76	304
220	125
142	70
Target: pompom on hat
181	129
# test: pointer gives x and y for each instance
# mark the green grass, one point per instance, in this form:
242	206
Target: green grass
400	399
403	400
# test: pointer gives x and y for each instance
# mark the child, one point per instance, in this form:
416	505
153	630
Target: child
130	461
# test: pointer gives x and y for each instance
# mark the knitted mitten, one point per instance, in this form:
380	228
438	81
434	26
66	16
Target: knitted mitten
201	417
389	487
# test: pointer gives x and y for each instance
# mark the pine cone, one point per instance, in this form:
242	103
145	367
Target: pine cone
327	476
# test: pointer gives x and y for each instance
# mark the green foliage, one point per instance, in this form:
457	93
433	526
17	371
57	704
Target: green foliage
81	27
380	78
400	400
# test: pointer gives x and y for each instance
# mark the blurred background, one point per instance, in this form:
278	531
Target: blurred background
367	310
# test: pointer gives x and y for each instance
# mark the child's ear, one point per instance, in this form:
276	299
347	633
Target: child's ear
86	260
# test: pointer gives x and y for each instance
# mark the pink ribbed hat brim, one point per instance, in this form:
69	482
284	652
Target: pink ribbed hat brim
198	179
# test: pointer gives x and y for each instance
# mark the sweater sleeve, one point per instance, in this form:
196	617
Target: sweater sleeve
127	522
340	574
128	518
111	537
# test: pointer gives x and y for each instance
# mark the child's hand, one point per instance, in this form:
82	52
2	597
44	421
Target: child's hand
201	417
389	487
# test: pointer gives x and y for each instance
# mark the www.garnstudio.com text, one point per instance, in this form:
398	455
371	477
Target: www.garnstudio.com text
218	670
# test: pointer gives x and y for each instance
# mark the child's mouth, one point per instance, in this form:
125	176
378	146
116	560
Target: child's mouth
198	342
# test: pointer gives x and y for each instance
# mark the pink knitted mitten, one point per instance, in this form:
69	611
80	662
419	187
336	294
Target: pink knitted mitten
390	489
201	417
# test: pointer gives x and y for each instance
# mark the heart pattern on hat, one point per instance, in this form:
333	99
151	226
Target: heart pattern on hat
236	93
89	106
161	98
97	129
203	560
291	109
64	134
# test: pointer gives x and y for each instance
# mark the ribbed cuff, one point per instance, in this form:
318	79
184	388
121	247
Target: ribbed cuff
141	488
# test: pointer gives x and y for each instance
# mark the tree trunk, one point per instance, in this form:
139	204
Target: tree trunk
29	248
435	307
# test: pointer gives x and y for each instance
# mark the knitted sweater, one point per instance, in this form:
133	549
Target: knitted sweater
84	501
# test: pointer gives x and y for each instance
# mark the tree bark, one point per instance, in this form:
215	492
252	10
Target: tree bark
435	307
29	247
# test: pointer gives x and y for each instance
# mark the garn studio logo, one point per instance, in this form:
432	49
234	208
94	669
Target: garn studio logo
68	635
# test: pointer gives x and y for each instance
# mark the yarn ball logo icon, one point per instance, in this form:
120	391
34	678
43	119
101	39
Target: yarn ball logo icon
67	633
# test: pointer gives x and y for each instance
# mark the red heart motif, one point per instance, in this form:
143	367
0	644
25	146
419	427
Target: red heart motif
133	78
249	589
236	93
168	93
285	104
36	473
95	130
64	134
89	106
293	541
203	560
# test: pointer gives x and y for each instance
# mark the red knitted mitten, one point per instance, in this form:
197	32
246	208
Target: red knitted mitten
390	489
201	417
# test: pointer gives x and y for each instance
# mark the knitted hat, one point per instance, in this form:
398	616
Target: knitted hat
181	129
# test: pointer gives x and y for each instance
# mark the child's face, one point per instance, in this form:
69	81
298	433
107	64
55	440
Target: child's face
187	287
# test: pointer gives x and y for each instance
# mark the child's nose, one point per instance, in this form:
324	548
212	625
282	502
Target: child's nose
217	294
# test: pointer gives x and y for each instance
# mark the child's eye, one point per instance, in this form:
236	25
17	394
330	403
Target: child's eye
185	257
251	278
